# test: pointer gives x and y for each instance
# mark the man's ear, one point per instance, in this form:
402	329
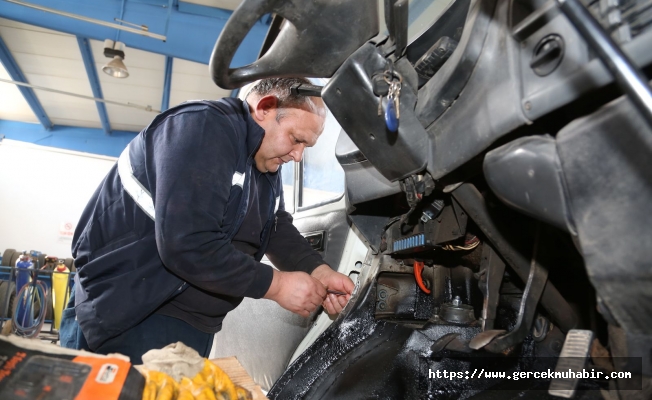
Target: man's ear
265	106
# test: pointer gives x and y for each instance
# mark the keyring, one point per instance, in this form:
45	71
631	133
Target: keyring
395	74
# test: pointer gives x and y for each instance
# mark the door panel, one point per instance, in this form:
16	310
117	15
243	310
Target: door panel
331	219
263	336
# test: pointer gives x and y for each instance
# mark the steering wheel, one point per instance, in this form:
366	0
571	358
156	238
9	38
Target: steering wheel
315	39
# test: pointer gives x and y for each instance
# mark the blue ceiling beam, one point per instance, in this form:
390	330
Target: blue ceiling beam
91	71
16	74
189	36
87	140
167	83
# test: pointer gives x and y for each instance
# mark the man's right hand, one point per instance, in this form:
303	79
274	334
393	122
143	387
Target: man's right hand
296	291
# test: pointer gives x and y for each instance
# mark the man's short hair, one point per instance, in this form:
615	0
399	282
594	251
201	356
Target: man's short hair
280	87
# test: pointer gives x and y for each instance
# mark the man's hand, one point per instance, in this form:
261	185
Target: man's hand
334	281
296	291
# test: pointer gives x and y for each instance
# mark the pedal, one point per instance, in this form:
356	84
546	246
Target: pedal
572	358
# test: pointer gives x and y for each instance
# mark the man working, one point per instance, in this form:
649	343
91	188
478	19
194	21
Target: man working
171	240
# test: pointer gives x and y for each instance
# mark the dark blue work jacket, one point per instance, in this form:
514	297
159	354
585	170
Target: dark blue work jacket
196	160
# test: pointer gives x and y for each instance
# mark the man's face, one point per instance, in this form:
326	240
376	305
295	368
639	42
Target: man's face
286	138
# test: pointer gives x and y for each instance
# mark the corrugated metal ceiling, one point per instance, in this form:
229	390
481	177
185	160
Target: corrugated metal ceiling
52	59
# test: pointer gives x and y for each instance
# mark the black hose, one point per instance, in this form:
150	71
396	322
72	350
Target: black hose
26	299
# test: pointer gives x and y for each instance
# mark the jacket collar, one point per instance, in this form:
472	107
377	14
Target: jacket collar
255	132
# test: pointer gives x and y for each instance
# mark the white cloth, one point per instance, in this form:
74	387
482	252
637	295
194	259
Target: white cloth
177	360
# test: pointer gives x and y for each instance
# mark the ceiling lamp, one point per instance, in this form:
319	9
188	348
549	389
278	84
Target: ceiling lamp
116	68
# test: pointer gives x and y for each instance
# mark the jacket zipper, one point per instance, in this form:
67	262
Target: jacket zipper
176	290
264	235
273	204
239	219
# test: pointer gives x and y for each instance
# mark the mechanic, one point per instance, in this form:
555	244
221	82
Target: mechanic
171	240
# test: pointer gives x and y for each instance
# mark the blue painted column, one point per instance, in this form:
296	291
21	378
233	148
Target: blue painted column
167	83
16	74
94	80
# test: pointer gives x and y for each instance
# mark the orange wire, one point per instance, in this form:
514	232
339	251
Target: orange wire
418	268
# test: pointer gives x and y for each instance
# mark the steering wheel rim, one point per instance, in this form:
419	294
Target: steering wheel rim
318	37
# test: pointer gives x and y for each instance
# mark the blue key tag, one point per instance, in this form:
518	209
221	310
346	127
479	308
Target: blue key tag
390	116
392	110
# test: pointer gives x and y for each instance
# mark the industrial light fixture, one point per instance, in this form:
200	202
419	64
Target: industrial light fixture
116	50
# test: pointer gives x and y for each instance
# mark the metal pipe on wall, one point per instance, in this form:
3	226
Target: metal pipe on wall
90	20
81	96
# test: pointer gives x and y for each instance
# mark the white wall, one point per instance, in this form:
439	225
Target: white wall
41	190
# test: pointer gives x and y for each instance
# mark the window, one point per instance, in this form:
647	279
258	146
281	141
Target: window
421	15
287	176
323	177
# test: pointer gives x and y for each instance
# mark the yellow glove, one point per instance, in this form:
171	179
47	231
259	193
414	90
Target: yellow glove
219	381
243	394
159	386
211	383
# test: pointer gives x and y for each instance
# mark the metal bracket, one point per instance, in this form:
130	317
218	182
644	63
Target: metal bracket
536	282
304	89
492	270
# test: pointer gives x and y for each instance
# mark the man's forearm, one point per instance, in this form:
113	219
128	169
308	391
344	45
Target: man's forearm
288	250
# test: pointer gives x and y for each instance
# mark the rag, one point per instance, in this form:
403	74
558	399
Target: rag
176	360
